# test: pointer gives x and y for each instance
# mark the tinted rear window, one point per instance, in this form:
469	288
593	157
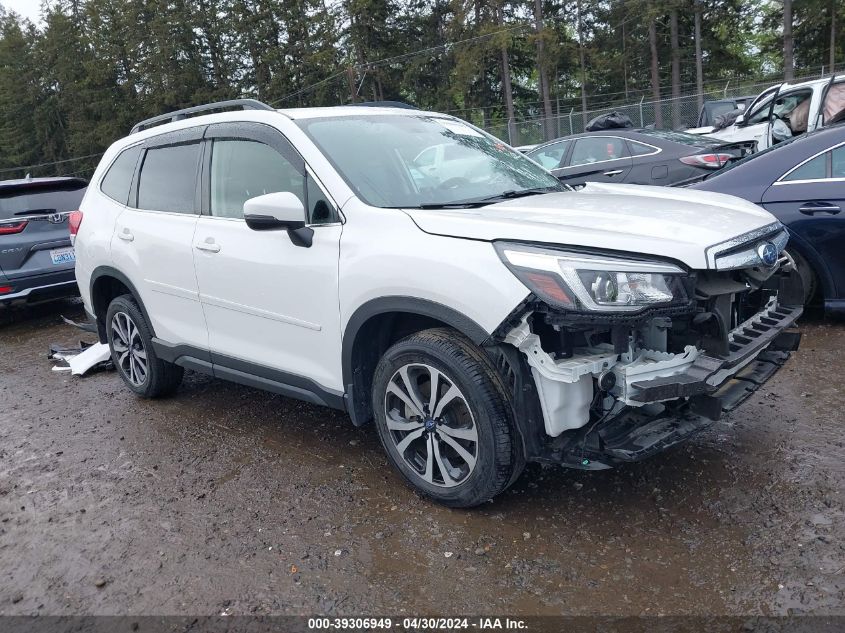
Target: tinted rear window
39	201
119	176
168	178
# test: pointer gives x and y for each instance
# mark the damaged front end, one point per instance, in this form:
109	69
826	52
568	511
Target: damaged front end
612	359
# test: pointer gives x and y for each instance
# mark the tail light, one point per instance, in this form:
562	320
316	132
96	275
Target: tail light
74	220
10	228
707	161
4	290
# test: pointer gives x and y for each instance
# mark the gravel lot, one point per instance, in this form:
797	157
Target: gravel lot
224	499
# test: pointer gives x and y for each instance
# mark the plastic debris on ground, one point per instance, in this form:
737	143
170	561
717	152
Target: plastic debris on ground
85	327
80	360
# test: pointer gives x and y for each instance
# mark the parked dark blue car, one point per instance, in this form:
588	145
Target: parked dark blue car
801	182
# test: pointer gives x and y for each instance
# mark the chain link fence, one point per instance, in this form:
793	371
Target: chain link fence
680	113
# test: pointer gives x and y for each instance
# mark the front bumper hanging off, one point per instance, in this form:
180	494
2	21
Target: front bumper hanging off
721	384
668	397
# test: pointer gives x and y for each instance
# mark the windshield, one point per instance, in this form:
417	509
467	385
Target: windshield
400	160
693	140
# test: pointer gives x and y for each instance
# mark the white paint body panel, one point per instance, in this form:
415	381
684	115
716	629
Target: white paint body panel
93	242
159	261
270	302
384	254
663	221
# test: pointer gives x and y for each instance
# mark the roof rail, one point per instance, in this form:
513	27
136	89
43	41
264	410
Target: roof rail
178	115
386	104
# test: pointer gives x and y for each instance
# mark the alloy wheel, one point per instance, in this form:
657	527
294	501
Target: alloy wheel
431	425
129	348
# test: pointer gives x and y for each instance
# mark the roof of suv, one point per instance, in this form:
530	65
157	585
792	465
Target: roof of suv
352	110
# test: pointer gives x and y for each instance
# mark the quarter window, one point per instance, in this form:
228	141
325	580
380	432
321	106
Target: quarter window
320	208
243	169
640	149
168	180
814	169
118	178
837	162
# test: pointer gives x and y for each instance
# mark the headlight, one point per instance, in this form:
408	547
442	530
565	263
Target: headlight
574	281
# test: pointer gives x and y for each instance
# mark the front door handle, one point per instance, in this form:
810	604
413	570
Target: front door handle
824	207
208	245
613	172
126	235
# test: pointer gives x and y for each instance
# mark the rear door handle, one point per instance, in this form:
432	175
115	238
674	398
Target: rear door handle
812	209
126	235
208	245
613	172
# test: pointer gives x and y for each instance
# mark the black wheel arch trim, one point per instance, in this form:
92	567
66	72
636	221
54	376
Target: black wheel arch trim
413	306
408	305
108	271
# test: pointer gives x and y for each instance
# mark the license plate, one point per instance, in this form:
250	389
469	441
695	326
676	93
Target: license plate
63	255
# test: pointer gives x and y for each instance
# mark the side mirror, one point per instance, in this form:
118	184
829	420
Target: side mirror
279	211
739	121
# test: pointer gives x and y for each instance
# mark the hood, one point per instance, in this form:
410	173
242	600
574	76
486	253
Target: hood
662	221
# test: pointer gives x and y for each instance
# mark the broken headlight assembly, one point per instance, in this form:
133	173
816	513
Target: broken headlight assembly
594	283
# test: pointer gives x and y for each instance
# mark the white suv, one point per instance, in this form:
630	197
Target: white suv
481	322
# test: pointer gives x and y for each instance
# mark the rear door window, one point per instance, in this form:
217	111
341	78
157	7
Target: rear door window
168	179
597	149
118	178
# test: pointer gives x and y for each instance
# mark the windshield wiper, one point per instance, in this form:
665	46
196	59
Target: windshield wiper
522	193
471	204
474	203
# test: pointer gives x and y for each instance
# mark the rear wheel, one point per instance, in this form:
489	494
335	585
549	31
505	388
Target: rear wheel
132	351
444	420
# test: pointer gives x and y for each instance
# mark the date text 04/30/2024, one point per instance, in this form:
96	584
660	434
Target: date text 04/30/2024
421	623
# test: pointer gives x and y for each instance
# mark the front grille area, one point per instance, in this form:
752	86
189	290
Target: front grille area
741	251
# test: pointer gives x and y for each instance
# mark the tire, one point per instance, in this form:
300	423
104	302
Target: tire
139	367
808	276
461	449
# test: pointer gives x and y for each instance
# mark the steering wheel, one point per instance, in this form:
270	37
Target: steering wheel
453	183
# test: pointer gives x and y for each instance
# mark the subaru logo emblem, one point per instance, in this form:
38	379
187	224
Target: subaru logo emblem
768	254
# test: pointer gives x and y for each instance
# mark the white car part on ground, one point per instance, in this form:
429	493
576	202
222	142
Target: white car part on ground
80	363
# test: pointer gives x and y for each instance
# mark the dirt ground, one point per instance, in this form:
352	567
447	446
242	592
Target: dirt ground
228	500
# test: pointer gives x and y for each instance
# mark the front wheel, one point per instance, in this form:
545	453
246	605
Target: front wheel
444	419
